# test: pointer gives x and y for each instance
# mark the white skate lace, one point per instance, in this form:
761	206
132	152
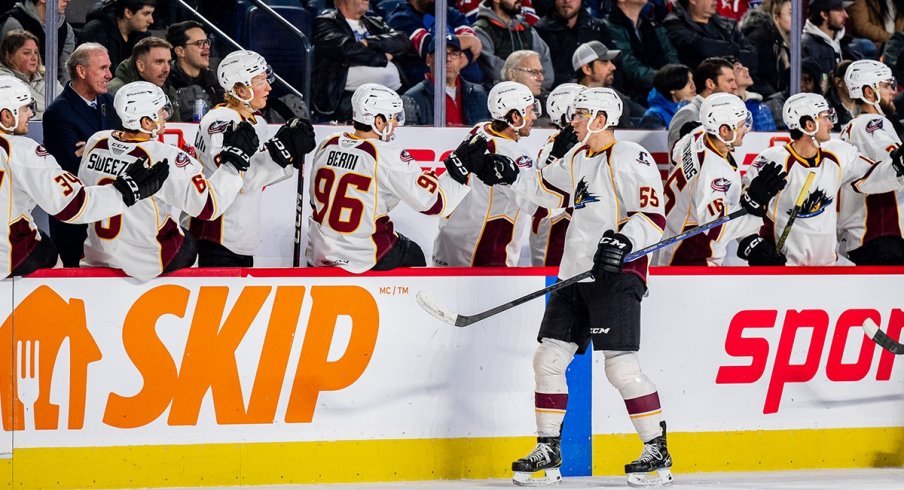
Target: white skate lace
540	453
650	453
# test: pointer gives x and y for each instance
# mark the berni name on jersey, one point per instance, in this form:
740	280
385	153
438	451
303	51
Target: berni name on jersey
108	165
340	159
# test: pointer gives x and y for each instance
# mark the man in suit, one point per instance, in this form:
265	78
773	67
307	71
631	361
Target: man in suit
83	109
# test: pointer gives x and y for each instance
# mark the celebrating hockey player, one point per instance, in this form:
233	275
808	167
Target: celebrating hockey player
358	178
706	185
485	228
616	192
232	239
30	176
144	241
810	239
870	227
547	231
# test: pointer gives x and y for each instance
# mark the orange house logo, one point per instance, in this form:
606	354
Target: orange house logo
32	335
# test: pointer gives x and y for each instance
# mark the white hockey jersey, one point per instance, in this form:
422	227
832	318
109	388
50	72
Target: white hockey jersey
143	239
238	229
486	228
704	185
864	217
548	226
30	176
812	240
355	183
617	188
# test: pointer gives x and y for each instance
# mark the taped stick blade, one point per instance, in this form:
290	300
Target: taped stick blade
442	314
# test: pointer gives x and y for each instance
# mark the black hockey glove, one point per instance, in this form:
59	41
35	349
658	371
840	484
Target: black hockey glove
467	158
763	188
610	254
292	141
897	160
498	169
138	181
240	141
565	140
759	251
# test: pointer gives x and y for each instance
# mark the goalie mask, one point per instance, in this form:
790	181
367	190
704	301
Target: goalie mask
14	94
138	100
240	67
868	73
371	100
506	97
559	102
724	109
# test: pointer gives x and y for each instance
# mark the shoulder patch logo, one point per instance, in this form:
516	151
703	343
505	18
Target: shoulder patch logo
524	161
182	159
643	158
41	151
874	125
582	196
217	127
759	162
720	185
406	157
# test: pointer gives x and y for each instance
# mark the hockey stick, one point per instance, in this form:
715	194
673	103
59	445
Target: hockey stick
879	336
804	193
448	316
299	207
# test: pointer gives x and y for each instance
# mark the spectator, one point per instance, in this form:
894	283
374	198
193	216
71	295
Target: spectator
594	67
150	61
118	28
644	45
673	86
415	19
502	31
876	20
762	116
470	8
714	75
812	80
524	67
29	15
565	28
768	29
823	39
698	33
82	109
839	97
20	58
190	76
466	102
350	49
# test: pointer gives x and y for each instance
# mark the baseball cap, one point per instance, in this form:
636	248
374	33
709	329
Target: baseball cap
823	5
451	41
590	52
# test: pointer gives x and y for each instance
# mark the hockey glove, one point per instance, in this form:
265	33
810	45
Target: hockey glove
763	188
467	158
498	169
759	251
240	141
139	181
897	160
565	140
610	254
292	141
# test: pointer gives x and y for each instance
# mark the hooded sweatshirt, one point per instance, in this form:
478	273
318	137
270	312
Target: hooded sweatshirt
24	15
500	39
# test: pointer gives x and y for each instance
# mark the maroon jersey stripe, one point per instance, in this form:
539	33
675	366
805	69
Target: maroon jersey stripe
437	206
881	216
74	207
490	251
556	246
643	404
553	401
170	239
383	237
22	240
207	211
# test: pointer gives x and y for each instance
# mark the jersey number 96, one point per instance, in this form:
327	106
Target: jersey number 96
342	212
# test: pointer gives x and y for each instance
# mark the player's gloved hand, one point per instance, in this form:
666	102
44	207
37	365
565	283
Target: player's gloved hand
498	169
139	181
897	160
759	251
565	140
292	141
467	158
610	254
240	141
763	188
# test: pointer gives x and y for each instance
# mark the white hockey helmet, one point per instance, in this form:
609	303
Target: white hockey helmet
596	100
240	67
803	105
14	94
138	100
371	100
724	109
867	73
510	96
560	100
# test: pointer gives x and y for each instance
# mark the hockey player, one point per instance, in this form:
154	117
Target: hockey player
30	176
144	241
232	239
486	227
706	185
870	227
358	178
616	192
834	164
547	231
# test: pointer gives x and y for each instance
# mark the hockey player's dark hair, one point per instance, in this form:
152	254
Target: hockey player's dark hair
147	44
796	133
366	127
710	69
132	5
500	126
175	34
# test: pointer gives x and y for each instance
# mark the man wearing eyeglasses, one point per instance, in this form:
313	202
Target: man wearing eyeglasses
191	75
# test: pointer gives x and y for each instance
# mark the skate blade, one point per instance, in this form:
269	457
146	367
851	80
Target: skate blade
552	477
656	478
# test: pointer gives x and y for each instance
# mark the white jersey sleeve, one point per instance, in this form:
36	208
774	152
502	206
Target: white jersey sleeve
639	188
422	191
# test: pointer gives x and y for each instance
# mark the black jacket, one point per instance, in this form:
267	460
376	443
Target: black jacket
640	56
335	49
418	102
204	87
102	29
761	31
719	37
563	41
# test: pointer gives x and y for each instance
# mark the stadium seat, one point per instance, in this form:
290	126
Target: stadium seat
282	48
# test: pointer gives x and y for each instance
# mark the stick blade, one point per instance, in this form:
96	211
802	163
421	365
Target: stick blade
442	314
870	328
881	338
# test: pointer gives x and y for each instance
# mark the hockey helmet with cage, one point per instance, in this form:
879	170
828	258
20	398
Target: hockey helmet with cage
802	105
599	99
559	102
508	96
869	73
240	67
138	100
371	100
724	109
14	94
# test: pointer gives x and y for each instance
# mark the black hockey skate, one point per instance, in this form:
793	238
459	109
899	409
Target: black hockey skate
546	457
652	468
